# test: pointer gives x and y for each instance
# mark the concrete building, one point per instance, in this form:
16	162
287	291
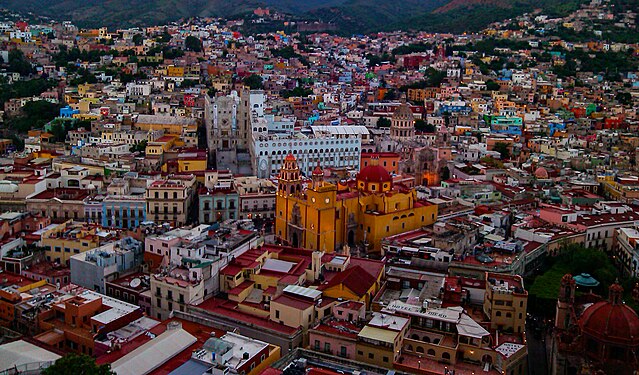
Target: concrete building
94	268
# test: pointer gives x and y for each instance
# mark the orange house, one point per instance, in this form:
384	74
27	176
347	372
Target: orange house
388	160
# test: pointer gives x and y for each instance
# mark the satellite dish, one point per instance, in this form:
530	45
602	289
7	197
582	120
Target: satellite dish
135	283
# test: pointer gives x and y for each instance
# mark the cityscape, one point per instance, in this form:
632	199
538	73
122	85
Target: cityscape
277	192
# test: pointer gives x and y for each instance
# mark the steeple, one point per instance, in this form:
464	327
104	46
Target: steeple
289	181
565	302
318	177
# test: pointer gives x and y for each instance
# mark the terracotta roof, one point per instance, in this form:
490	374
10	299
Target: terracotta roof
374	173
612	323
356	279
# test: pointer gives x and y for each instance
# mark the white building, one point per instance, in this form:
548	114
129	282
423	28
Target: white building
328	152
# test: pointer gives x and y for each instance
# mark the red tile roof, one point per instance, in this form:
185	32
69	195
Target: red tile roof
356	279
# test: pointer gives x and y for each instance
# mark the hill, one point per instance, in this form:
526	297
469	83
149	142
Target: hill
351	16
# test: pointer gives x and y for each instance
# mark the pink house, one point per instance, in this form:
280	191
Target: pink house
160	245
338	335
557	216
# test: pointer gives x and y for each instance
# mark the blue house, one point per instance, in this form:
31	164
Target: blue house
68	112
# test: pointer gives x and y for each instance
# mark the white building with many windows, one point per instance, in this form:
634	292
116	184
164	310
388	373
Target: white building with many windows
268	152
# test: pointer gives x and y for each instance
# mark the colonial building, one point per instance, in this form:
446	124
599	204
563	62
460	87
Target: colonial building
359	213
169	201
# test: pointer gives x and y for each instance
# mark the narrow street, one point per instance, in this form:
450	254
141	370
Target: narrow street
537	352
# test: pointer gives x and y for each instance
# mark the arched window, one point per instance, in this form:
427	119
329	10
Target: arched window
431	352
446	355
420	349
498	313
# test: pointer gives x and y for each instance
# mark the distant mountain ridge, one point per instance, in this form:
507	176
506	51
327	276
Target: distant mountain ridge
350	16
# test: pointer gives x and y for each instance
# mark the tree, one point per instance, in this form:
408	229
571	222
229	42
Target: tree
492	85
138	39
139	147
383	122
253	81
77	365
193	44
444	173
624	98
503	149
434	77
422	126
18	63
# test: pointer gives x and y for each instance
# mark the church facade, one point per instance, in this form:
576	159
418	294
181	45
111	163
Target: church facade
358	214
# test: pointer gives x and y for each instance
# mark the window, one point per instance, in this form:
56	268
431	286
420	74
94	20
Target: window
385	359
342	351
359	352
317	344
159	302
277	314
371	356
327	347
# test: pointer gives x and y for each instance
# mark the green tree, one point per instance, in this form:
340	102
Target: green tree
138	39
434	77
285	52
422	126
253	81
139	147
18	63
77	365
193	44
34	115
503	149
492	85
624	98
298	91
383	122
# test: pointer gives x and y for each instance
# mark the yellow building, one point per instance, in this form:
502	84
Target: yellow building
175	71
360	213
170	124
160	145
380	341
505	302
67	239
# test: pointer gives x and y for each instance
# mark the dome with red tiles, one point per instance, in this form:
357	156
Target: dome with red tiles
318	171
541	173
611	322
374	173
374	178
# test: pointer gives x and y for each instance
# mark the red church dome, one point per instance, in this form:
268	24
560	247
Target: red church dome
611	322
541	173
374	173
290	157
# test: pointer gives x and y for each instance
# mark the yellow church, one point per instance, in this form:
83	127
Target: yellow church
360	213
